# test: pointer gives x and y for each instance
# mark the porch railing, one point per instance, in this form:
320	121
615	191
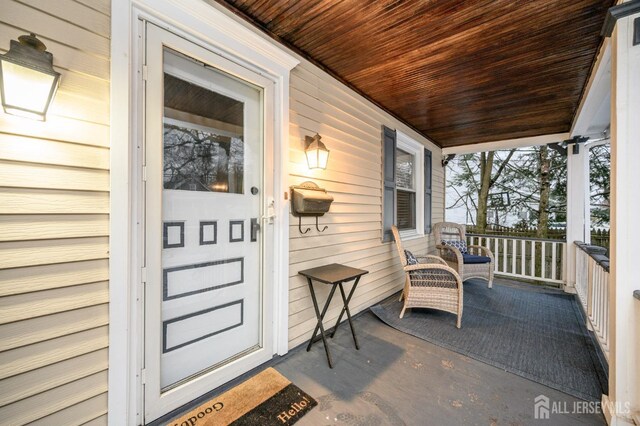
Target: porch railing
526	258
592	286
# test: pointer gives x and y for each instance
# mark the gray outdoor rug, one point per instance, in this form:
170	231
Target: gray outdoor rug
535	333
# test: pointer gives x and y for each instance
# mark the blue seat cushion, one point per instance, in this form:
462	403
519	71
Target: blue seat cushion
473	259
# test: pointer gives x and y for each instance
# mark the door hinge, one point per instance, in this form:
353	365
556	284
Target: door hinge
145	72
144	173
143	275
143	376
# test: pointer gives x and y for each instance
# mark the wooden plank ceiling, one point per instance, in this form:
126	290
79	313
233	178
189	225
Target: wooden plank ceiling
460	72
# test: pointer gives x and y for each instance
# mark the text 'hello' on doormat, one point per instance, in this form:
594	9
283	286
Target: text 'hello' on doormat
266	399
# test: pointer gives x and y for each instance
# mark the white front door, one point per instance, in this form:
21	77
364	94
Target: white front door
206	300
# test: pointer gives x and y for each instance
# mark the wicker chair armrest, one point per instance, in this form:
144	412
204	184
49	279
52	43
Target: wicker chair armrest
433	266
430	259
484	250
450	253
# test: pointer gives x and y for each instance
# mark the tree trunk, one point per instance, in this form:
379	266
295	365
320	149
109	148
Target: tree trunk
545	187
486	166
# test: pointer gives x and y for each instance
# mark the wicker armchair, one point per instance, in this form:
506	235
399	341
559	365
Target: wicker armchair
467	266
430	283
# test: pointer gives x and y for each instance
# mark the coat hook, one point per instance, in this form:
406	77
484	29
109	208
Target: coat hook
323	229
300	226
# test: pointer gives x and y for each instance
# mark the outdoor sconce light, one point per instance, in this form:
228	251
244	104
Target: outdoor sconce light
317	154
27	79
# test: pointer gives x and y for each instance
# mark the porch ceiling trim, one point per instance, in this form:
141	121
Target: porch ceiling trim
506	144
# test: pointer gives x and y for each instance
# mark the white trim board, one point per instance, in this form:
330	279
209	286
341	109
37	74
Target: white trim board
412	146
207	26
506	144
596	94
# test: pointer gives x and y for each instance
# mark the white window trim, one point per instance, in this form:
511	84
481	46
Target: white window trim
410	145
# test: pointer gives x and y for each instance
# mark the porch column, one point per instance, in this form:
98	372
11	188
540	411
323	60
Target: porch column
578	207
624	358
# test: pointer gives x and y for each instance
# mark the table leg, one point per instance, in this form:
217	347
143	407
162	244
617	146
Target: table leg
320	317
345	308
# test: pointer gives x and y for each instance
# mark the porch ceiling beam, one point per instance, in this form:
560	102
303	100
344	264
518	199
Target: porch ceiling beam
507	144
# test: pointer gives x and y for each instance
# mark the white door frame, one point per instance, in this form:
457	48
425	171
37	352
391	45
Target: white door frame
216	30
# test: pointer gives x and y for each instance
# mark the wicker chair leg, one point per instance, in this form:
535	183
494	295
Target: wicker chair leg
405	289
459	320
402	311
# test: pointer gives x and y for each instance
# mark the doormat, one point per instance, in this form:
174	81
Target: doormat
267	398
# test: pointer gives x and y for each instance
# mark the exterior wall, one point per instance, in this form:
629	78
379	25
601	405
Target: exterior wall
54	205
351	128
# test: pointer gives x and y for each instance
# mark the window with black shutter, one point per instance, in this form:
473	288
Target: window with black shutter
407	185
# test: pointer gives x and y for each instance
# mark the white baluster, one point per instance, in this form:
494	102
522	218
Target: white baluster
553	260
543	270
523	257
533	258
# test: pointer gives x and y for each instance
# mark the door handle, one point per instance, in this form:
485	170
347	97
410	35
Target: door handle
255	227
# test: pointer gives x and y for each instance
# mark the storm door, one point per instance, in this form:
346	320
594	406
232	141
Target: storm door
205	316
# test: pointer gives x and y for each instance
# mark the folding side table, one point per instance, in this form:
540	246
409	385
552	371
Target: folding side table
335	275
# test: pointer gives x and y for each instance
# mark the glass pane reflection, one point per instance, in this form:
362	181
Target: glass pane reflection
203	147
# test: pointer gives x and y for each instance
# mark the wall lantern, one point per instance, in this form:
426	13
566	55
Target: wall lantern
27	78
317	154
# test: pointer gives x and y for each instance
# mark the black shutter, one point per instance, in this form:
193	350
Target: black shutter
427	191
389	178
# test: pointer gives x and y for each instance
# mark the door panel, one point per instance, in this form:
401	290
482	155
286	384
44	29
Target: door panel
211	159
205	316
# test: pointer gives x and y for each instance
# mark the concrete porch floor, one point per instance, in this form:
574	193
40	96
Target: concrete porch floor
398	379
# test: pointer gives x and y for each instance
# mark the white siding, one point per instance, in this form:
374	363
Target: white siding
351	128
54	205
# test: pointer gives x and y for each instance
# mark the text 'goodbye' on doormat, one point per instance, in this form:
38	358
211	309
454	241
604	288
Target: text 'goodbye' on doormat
267	398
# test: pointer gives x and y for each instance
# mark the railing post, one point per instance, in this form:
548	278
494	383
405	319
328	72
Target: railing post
578	199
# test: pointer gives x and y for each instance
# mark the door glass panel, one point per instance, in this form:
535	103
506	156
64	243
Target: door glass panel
203	147
211	257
